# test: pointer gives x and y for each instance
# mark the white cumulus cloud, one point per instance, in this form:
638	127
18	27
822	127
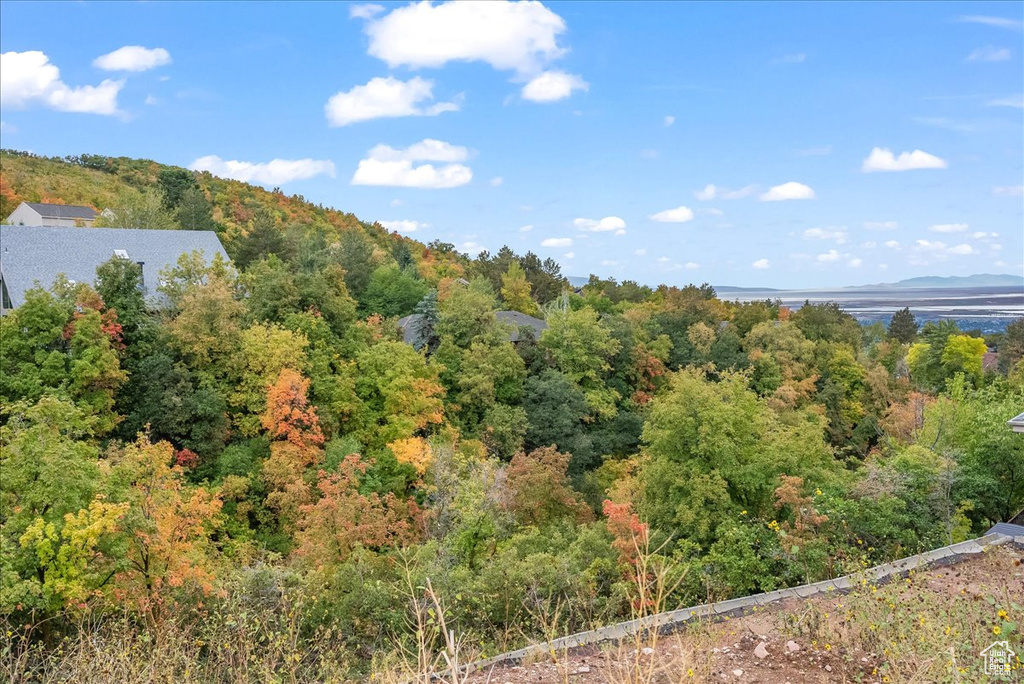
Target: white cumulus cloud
551	86
385	98
133	58
404	226
788	191
388	166
949	228
691	265
892	244
1008	191
496	181
668	121
274	172
28	78
829	256
640	252
710	192
677	215
761	264
517	36
607	224
961	249
556	242
526	229
883	159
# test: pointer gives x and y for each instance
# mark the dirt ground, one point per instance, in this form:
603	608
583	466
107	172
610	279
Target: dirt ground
777	645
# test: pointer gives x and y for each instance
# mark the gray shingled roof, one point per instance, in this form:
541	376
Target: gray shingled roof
1017	423
38	254
518	320
512	318
63	211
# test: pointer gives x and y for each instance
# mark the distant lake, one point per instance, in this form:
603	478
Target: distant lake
990	309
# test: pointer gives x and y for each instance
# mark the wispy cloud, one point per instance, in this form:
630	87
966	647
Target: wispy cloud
1008	191
710	192
949	228
998	22
795	58
814	151
556	242
385	98
677	215
274	172
989	54
1016	101
944	123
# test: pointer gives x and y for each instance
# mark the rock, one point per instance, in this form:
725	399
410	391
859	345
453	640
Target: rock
648	651
828	668
760	651
737	672
792	646
582	669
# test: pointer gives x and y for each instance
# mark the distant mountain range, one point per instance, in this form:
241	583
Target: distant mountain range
979	280
930	282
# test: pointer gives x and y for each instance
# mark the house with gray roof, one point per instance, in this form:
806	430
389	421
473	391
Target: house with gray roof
55	215
411	326
36	255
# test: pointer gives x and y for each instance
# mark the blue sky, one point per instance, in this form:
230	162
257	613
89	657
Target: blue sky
784	145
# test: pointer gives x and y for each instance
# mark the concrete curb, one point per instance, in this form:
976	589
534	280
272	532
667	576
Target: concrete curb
668	622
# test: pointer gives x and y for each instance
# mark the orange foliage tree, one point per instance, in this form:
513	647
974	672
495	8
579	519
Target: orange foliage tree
343	518
168	527
540	489
291	421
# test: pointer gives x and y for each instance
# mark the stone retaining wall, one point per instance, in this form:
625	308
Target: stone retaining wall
673	620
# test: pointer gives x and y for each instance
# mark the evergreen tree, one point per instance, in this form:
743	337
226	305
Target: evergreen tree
903	326
194	211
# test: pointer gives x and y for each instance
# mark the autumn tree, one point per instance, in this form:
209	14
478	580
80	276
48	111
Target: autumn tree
342	519
541	492
715	448
515	290
297	444
169	527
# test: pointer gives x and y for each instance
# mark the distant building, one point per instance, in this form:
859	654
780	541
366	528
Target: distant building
31	255
1016	423
410	325
53	215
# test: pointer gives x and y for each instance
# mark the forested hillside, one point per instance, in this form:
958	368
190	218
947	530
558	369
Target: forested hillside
266	482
